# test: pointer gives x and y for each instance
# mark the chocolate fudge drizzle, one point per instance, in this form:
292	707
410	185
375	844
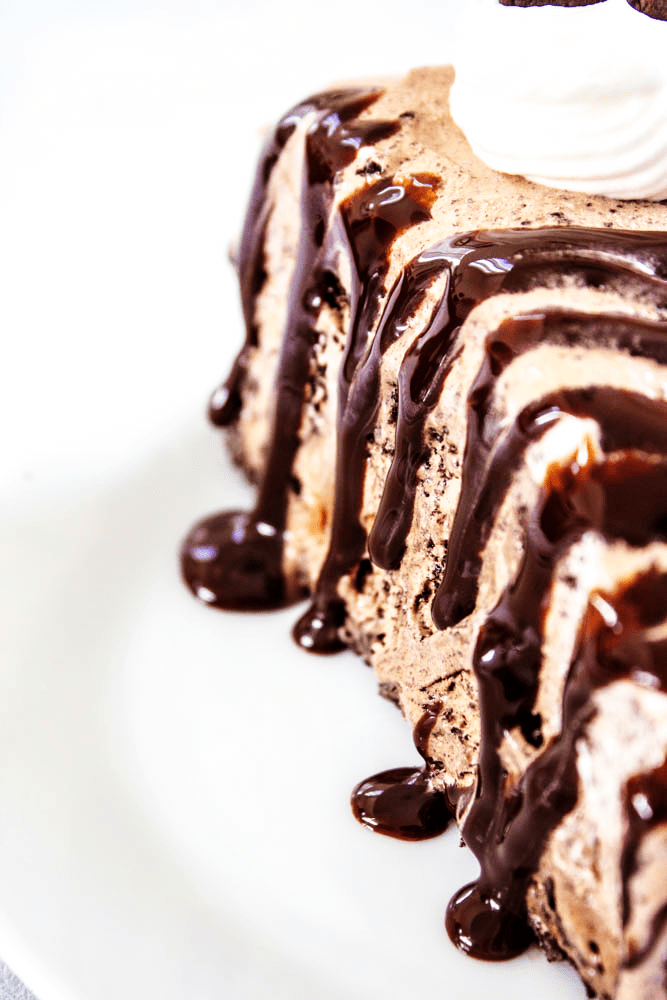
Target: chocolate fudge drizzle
402	802
477	266
492	461
233	560
623	496
334	109
646	808
617	488
371	221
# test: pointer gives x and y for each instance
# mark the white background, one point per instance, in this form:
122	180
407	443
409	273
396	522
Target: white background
174	782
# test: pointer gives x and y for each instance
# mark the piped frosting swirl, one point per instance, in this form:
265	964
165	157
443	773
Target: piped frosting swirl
582	95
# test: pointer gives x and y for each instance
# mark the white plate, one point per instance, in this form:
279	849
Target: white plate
174	782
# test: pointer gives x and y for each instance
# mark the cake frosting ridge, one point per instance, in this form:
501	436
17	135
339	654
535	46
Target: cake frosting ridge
453	399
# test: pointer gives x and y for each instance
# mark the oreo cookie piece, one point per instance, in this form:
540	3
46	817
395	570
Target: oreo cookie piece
653	8
551	3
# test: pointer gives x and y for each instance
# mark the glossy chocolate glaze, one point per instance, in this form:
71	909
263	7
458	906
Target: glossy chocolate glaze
492	460
646	809
402	802
229	560
477	266
371	221
620	644
234	559
508	828
333	110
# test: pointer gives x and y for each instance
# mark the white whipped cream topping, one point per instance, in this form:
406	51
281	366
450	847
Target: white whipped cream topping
570	97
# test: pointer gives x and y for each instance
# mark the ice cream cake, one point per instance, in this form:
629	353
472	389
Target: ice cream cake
453	400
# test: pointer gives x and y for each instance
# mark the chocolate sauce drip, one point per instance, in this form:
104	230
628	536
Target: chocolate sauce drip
490	463
371	220
479	265
402	802
425	726
386	542
225	403
618	644
645	801
234	561
508	827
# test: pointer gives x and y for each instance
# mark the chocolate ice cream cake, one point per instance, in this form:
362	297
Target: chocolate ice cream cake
453	400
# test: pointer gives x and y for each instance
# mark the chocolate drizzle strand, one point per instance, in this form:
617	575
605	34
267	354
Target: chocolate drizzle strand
402	802
508	828
371	221
478	266
646	809
334	109
627	419
235	561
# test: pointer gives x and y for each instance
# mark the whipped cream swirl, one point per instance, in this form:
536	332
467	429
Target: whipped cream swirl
572	98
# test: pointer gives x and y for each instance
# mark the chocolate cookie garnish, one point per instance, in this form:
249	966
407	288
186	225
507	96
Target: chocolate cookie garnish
653	8
549	3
